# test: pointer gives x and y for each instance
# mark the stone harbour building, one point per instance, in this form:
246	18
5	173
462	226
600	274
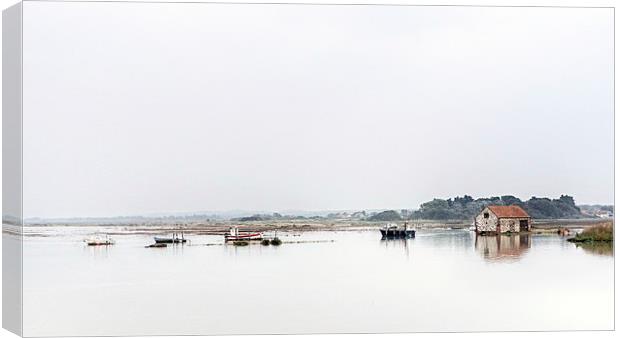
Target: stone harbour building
496	219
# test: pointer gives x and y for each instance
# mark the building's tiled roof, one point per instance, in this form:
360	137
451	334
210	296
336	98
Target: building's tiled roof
503	211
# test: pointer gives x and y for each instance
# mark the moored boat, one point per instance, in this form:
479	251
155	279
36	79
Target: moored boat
165	240
157	245
170	240
99	240
392	230
236	235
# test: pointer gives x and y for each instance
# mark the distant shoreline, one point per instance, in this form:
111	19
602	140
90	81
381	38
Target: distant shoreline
221	227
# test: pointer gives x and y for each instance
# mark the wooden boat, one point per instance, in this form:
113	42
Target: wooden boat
236	235
157	245
392	231
98	240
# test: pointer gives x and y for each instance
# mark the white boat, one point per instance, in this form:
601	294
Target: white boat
236	235
171	240
99	240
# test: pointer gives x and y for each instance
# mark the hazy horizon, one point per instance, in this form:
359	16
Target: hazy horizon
155	107
287	212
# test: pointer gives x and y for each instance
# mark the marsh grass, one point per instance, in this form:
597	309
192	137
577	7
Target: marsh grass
599	233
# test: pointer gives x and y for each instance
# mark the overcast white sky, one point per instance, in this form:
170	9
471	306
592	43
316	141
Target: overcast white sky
136	108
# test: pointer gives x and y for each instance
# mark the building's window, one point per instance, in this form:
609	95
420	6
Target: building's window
523	223
486	215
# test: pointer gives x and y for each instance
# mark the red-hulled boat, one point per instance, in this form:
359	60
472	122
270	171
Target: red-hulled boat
236	235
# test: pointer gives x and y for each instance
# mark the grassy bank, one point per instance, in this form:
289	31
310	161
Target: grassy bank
598	233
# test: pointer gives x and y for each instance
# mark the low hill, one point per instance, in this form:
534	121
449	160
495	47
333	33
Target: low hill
466	207
386	216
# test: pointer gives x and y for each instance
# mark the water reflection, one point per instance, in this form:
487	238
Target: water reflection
355	297
398	243
601	249
503	247
440	238
97	251
177	248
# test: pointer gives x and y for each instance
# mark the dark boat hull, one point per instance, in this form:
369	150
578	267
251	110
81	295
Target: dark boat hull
157	245
397	233
169	240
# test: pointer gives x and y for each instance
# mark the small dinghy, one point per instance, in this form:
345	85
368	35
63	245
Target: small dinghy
236	235
99	240
157	245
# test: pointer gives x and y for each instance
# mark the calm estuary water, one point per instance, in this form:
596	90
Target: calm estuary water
443	280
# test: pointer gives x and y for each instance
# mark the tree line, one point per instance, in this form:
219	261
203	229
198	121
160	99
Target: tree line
466	207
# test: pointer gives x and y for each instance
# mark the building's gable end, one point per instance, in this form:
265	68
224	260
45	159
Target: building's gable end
486	225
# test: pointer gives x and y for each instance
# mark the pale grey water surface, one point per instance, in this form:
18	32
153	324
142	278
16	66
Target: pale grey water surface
443	280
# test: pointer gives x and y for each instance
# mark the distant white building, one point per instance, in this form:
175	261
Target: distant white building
604	214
